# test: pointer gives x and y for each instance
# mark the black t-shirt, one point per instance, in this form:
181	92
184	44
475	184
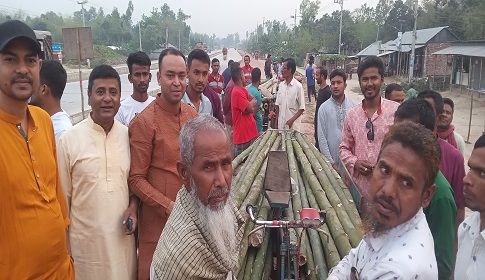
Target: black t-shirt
323	95
267	67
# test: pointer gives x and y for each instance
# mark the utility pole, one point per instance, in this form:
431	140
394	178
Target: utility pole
341	2
166	37
413	47
84	25
263	25
294	28
179	39
139	33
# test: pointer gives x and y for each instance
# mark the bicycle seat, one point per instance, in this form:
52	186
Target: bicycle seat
277	184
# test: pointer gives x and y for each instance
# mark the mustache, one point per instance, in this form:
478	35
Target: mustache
218	192
21	77
387	202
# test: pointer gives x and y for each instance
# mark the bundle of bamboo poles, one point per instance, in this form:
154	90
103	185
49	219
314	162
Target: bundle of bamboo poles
314	185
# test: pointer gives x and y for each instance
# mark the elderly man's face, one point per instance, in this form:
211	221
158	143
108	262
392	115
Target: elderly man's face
211	168
397	188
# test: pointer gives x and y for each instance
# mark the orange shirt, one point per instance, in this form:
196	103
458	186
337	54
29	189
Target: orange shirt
33	216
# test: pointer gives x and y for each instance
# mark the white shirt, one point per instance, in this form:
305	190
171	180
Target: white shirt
130	107
290	99
223	64
61	122
205	107
405	252
470	259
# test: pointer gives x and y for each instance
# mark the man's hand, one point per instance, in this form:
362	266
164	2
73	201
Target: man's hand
131	212
170	208
335	167
363	167
290	122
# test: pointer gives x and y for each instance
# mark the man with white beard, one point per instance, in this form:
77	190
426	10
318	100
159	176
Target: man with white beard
202	235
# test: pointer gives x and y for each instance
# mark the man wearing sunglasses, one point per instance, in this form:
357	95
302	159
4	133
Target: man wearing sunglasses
365	125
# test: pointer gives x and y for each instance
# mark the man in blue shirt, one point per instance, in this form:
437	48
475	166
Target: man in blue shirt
310	78
254	91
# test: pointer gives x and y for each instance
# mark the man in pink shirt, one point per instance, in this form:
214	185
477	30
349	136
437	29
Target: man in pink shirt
366	124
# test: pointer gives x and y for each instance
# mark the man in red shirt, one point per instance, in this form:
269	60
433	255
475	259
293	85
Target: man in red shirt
216	80
247	69
243	107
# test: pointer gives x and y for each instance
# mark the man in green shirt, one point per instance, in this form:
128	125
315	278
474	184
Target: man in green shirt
411	92
254	91
441	211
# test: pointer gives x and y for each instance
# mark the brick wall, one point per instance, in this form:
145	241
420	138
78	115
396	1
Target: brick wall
437	65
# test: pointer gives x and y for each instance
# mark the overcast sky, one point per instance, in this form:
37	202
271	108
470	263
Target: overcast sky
207	16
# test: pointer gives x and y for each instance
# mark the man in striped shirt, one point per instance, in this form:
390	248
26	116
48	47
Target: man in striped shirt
247	69
216	80
202	235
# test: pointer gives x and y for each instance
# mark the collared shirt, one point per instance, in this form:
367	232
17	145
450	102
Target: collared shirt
154	145
61	122
216	103
205	107
290	99
331	117
130	108
323	95
470	258
247	73
259	118
226	106
453	167
33	213
355	145
244	124
94	168
216	82
223	64
405	252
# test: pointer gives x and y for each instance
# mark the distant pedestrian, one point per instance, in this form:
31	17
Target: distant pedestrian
94	164
446	130
216	80
243	106
310	78
247	68
225	61
34	220
331	116
290	99
280	68
140	77
227	73
254	90
395	93
267	67
323	95
53	79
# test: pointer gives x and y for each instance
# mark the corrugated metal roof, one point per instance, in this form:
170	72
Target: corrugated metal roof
468	50
372	49
422	35
385	53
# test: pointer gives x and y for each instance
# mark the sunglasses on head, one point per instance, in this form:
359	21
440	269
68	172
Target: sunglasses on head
370	126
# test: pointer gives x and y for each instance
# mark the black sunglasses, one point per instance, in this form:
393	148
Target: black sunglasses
370	126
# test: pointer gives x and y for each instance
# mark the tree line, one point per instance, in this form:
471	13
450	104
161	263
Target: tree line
122	31
363	26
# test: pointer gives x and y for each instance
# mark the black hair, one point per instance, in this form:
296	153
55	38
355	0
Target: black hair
450	102
392	87
233	64
256	75
424	143
236	74
269	55
338	72
54	76
371	61
291	64
437	98
480	142
138	58
214	60
323	72
103	72
169	51
247	57
200	55
416	109
229	63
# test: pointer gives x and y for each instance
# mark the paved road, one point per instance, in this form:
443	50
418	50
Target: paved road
71	99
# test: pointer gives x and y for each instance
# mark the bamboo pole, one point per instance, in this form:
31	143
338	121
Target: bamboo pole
242	156
260	260
249	263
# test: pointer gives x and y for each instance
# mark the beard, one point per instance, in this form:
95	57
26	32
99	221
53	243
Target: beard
220	222
371	224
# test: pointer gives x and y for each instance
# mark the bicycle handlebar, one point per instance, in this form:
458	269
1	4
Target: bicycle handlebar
309	218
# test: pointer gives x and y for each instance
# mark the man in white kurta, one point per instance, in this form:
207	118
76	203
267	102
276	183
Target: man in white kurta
94	163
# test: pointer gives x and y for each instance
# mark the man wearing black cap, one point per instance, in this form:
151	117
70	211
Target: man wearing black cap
33	216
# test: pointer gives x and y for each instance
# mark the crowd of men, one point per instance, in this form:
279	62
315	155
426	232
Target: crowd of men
74	196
